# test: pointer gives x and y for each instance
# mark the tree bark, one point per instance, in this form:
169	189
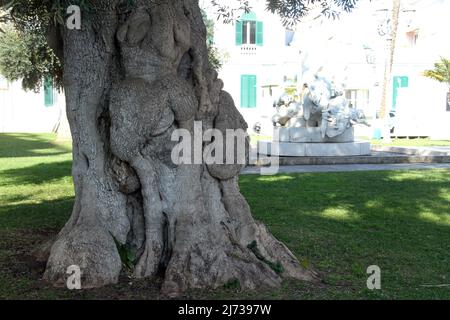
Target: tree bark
131	78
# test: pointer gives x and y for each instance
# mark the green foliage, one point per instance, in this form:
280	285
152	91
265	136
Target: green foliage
14	56
290	11
441	71
127	255
232	284
27	56
229	13
215	56
24	51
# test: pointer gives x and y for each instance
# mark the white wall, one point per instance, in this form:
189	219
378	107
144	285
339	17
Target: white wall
22	111
421	109
422	106
270	63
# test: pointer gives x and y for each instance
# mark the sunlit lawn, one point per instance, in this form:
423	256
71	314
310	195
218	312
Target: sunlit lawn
337	223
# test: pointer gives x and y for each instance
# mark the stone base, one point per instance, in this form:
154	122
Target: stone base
310	135
290	149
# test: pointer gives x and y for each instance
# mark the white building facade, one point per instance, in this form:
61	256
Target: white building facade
259	61
30	112
265	58
420	104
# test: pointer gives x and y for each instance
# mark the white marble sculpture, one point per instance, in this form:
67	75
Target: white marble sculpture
324	115
320	125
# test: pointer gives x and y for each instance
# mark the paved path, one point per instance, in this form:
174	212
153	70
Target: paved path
425	151
438	149
351	167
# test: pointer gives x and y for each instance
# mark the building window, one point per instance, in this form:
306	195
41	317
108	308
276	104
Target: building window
289	37
358	98
249	31
248	91
48	92
413	37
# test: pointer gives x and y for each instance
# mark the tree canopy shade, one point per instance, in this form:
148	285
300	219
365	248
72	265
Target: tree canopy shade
136	75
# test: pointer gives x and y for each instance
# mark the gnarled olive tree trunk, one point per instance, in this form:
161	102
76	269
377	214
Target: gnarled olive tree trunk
131	78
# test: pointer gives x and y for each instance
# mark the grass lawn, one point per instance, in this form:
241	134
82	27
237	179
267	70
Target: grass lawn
337	223
254	138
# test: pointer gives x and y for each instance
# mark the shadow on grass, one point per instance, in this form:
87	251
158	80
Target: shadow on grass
345	222
13	145
341	222
36	174
45	214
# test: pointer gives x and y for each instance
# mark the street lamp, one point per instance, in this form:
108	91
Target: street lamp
387	29
385	25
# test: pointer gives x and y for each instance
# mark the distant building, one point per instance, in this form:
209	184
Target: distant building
30	112
420	104
259	62
265	58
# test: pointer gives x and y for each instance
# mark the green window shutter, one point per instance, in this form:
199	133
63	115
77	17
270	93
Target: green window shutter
398	82
244	91
251	16
248	91
48	91
259	33
239	25
252	92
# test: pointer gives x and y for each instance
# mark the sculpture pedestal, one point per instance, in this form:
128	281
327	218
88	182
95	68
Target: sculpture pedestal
293	149
310	135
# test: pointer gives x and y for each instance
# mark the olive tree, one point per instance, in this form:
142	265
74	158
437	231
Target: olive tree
135	74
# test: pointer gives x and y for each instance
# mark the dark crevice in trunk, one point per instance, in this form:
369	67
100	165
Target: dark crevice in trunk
167	249
185	70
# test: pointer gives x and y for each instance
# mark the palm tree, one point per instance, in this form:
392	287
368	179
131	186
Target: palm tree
441	73
389	66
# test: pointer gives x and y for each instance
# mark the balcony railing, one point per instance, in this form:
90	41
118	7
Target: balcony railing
249	50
